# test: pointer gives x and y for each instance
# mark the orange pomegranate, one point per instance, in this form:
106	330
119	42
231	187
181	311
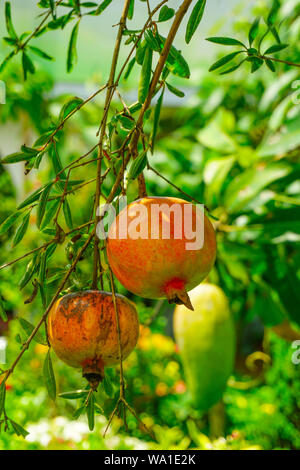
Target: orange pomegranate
82	330
161	247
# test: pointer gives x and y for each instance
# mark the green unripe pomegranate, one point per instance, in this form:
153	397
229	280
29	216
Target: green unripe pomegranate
206	341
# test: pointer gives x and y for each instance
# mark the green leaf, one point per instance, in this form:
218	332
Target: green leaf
129	68
152	41
42	270
52	7
31	198
130	10
9	26
7	223
67	214
72	51
138	165
232	69
21	230
19	430
31	267
69	106
256	63
102	7
40	53
27	65
224	60
28	328
79	412
194	19
42	204
3	314
16	157
165	13
276	48
273	13
107	386
270	65
90	412
174	90
74	395
145	76
253	32
2	397
6	60
126	122
49	376
226	41
243	188
50	212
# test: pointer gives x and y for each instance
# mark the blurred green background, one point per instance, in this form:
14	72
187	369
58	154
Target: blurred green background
231	142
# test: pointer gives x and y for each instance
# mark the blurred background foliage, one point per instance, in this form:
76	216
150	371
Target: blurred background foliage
233	143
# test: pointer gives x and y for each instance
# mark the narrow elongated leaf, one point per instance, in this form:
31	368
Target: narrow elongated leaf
18	429
232	69
49	376
145	75
9	26
225	41
16	157
126	122
49	213
67	214
107	386
270	65
129	68
90	412
224	60
152	41
28	328
79	412
31	198
157	111
273	13
72	51
2	397
40	53
130	10
69	106
138	165
31	267
27	64
7	223
42	204
194	19
74	395
21	230
102	7
253	32
6	60
276	48
165	13
3	314
175	90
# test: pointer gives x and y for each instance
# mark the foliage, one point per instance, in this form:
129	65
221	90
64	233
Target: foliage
235	147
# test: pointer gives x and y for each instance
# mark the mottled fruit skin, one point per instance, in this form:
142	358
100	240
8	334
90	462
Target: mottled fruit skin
206	342
82	329
159	268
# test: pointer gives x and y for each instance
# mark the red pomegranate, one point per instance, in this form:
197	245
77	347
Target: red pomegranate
82	330
155	253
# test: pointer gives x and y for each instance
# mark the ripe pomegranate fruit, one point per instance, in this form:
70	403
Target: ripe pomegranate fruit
82	330
206	341
158	263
